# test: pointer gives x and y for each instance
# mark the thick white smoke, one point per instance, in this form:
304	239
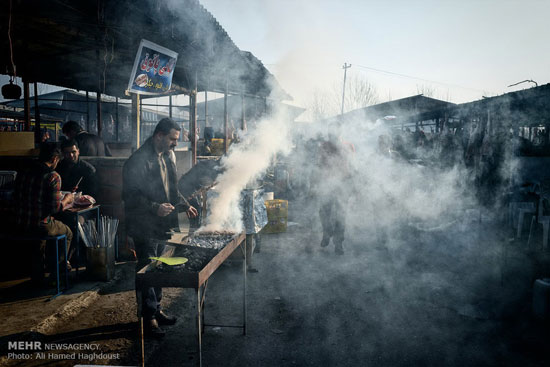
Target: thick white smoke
245	163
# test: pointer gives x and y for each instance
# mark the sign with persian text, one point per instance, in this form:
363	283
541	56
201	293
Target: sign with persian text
153	69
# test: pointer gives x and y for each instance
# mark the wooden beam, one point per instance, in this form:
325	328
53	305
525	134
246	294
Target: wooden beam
26	105
37	137
99	127
136	114
193	126
225	121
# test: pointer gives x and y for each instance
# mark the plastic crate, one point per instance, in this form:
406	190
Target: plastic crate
277	216
276	225
217	146
276	209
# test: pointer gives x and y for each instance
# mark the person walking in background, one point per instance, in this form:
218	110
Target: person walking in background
150	197
332	189
89	144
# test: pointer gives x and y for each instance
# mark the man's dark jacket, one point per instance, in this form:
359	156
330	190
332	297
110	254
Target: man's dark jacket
143	192
91	145
71	173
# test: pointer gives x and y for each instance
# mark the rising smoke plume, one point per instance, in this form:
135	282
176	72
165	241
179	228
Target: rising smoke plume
244	164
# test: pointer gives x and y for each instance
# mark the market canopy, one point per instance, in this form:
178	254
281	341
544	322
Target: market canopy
91	45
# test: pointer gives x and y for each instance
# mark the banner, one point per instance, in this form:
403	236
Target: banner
153	69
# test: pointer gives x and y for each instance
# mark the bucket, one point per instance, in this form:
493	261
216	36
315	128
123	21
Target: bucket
100	263
541	299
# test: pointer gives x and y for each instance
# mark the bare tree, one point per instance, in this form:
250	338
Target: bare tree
426	90
359	93
321	105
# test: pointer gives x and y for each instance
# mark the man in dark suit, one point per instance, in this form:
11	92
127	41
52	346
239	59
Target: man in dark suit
151	195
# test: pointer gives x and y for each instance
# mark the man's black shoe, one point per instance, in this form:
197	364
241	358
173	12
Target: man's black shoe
338	249
152	329
325	241
164	319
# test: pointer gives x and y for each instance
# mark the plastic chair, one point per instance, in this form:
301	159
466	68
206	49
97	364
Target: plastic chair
518	209
522	209
541	219
7	183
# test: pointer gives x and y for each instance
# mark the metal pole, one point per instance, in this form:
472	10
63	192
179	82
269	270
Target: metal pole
193	125
345	67
87	111
117	120
170	106
136	117
243	113
206	122
26	105
225	120
98	114
244	285
37	138
199	327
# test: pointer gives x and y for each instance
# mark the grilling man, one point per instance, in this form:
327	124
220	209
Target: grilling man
151	196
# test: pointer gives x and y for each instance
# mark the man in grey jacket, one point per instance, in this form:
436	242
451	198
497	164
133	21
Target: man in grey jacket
150	197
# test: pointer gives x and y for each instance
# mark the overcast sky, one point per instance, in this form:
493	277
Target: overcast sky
463	49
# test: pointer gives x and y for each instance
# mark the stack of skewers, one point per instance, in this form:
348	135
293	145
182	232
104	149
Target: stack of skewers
101	235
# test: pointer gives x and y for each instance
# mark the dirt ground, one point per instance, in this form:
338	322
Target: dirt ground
454	297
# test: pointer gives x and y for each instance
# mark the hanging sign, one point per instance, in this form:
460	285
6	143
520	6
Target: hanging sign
153	69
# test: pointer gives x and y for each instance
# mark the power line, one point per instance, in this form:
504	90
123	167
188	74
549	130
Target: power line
390	73
416	78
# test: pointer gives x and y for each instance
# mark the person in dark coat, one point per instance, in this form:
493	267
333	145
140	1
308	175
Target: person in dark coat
334	169
76	174
151	195
89	144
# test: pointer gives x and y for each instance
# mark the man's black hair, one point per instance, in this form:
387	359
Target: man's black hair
68	143
71	126
48	151
165	125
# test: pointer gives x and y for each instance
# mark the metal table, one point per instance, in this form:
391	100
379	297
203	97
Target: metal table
150	276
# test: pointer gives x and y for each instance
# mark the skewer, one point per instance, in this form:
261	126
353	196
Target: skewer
78	183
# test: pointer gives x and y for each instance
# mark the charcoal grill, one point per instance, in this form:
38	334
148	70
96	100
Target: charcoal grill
206	252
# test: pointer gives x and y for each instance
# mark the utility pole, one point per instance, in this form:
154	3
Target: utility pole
345	67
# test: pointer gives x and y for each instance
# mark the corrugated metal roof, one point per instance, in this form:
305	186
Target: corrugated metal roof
91	45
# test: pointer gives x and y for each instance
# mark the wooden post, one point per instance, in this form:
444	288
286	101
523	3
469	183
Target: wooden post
225	121
98	114
193	125
87	111
26	105
117	119
37	137
170	106
243	113
136	117
206	122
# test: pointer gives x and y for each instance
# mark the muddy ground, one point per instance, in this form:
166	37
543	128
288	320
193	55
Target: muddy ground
420	297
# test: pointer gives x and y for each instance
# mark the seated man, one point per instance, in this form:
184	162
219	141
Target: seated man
37	196
76	175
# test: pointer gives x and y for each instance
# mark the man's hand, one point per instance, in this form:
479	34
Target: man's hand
192	212
165	209
67	200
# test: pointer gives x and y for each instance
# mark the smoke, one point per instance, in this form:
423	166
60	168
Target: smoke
246	162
